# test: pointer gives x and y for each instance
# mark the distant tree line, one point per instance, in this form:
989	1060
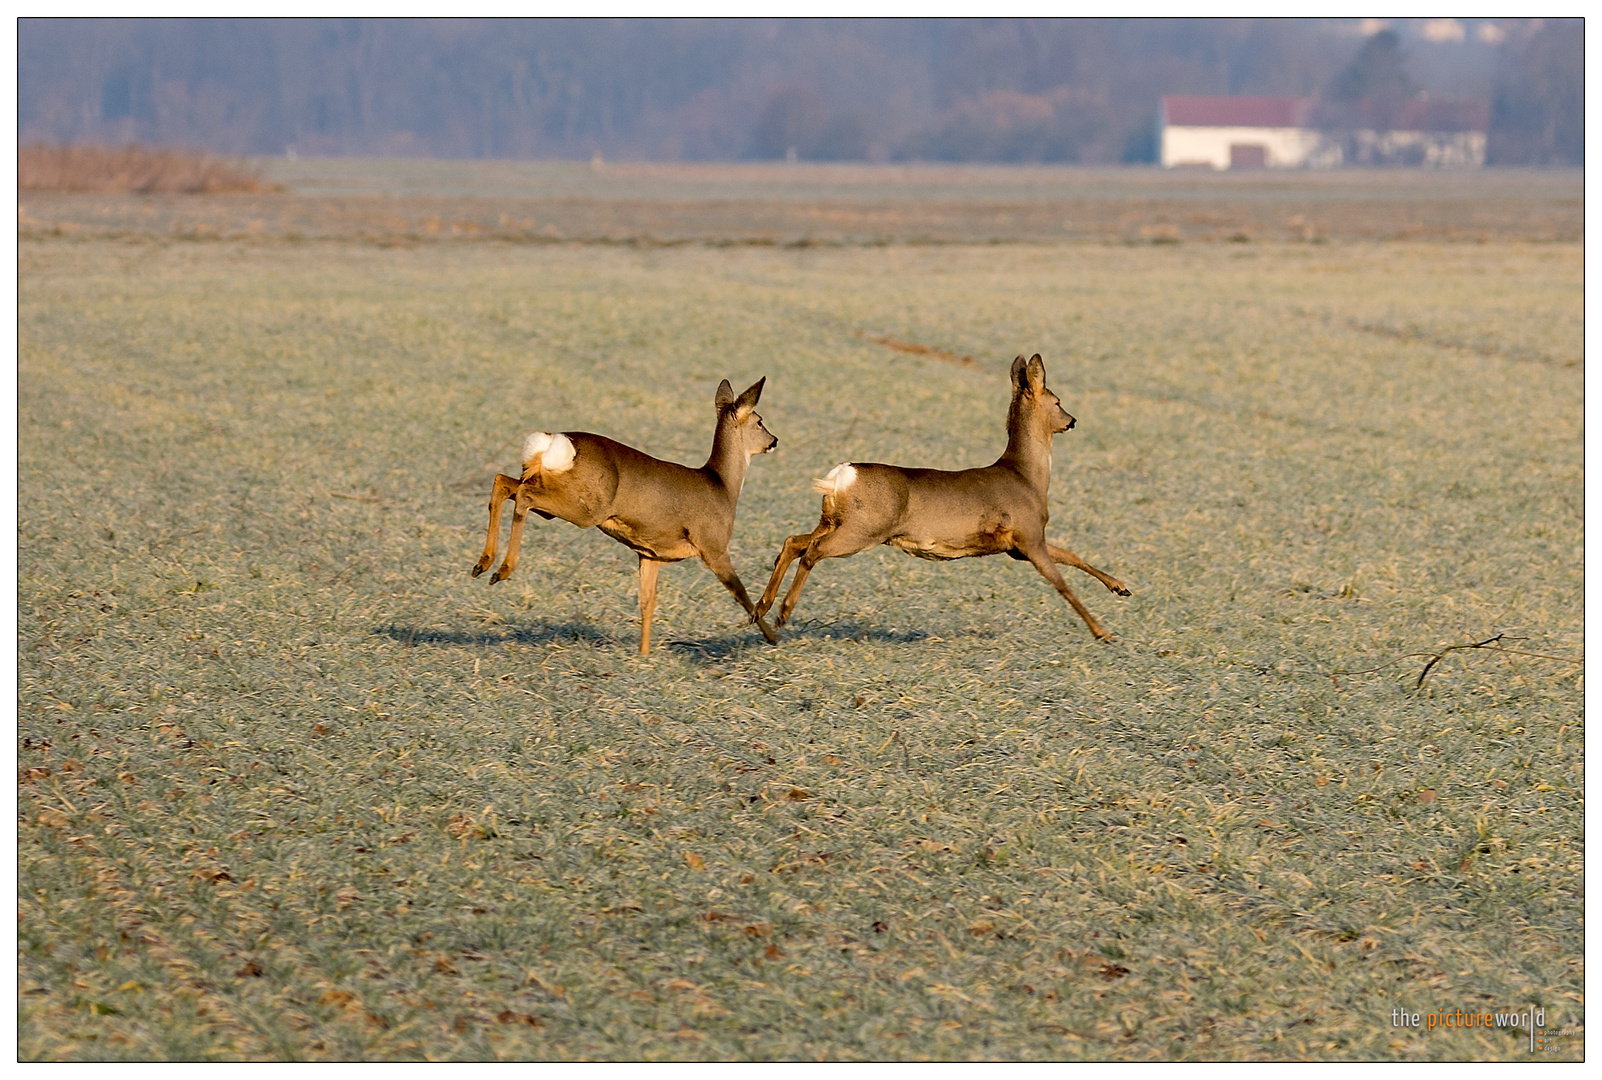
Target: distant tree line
1007	90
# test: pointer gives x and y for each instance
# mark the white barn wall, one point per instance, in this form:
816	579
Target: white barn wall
1284	148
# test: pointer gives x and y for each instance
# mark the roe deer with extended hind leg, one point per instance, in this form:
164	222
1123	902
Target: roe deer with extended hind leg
661	510
934	514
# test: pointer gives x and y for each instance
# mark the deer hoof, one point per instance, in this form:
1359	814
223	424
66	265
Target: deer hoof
1120	589
773	639
500	575
479	567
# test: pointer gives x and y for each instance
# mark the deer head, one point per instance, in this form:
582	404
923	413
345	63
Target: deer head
1034	406
753	438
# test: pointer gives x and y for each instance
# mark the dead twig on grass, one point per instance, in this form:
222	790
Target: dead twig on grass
906	758
1438	657
1489	644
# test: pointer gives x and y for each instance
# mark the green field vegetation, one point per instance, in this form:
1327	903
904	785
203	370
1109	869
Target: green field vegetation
294	786
410	202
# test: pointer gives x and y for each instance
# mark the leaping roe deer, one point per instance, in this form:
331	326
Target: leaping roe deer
662	511
935	514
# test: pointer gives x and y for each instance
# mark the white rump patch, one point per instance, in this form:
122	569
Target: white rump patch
839	478
555	452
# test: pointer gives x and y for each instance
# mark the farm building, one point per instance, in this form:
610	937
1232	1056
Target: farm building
1240	133
1291	133
1435	133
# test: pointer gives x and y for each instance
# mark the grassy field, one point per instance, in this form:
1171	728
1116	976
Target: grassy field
392	203
292	785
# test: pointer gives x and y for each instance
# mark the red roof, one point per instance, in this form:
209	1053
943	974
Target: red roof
1235	111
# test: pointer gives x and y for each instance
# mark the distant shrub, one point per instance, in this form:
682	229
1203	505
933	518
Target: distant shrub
144	169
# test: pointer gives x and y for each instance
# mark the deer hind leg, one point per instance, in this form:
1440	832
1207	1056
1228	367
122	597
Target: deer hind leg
720	564
794	546
1041	558
1068	558
834	544
648	571
505	488
514	542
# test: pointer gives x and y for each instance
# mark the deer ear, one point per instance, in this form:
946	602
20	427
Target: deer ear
1018	380
1037	374
747	401
725	396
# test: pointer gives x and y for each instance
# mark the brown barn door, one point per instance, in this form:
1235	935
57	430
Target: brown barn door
1248	156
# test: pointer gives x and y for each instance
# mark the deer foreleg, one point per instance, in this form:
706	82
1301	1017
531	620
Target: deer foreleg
648	571
505	488
720	564
1068	558
1041	558
515	541
792	547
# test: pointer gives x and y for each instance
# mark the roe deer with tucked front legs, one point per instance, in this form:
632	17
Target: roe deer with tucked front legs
934	514
661	510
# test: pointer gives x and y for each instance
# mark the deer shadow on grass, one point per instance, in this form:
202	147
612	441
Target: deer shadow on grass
570	632
736	645
851	630
703	650
730	647
530	634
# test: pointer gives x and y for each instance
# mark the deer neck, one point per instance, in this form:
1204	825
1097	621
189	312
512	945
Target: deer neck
1028	450
728	461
